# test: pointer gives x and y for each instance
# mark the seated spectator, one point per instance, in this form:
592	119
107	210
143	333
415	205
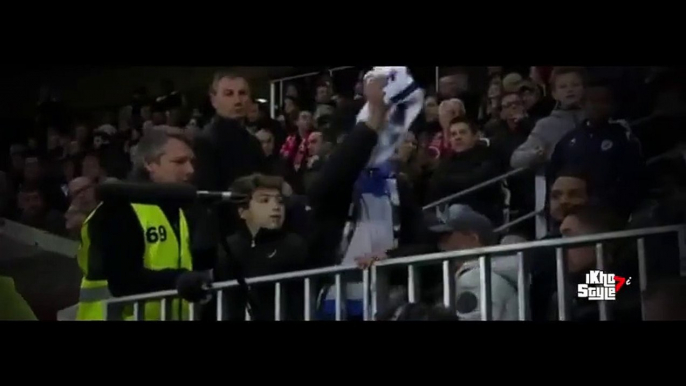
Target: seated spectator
447	111
260	247
470	163
34	211
607	151
592	219
568	90
569	191
512	129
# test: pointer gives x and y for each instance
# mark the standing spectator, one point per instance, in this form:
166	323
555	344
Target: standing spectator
470	163
294	150
261	247
447	111
608	151
512	129
225	150
568	90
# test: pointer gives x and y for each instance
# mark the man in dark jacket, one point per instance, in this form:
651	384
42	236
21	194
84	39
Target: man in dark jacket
225	150
470	163
607	151
260	247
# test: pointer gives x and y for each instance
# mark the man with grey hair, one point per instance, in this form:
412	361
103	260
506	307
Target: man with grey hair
134	248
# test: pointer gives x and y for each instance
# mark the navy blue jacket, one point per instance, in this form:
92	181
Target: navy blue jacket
611	158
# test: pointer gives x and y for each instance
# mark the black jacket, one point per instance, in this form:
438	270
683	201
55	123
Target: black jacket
463	170
269	252
612	159
224	151
331	192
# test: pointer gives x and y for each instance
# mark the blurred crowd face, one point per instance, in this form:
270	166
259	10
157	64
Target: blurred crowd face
451	86
323	94
580	258
175	165
314	144
462	138
292	91
253	112
408	147
31	203
495	90
90	167
32	170
598	104
305	123
565	194
431	109
568	90
530	97
266	141
231	98
82	193
512	108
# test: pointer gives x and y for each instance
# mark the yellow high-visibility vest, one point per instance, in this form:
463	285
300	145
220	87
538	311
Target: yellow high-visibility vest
162	251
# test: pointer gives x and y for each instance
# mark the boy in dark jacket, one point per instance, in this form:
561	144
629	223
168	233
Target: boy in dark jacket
260	247
607	150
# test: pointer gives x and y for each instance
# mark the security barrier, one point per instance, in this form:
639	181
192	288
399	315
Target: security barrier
375	296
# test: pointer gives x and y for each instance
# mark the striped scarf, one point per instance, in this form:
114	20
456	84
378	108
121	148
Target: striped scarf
294	150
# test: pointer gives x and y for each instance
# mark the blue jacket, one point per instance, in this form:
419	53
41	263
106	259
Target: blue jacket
611	158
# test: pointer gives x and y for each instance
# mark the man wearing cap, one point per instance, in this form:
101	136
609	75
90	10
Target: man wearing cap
461	228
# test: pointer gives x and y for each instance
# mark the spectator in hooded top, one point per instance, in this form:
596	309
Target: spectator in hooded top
567	85
470	163
607	151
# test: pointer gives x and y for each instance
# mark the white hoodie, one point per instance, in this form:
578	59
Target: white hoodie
505	304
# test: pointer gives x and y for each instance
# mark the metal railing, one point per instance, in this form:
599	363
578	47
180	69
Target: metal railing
374	300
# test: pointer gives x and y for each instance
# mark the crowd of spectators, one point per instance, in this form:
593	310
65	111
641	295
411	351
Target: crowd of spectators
573	124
